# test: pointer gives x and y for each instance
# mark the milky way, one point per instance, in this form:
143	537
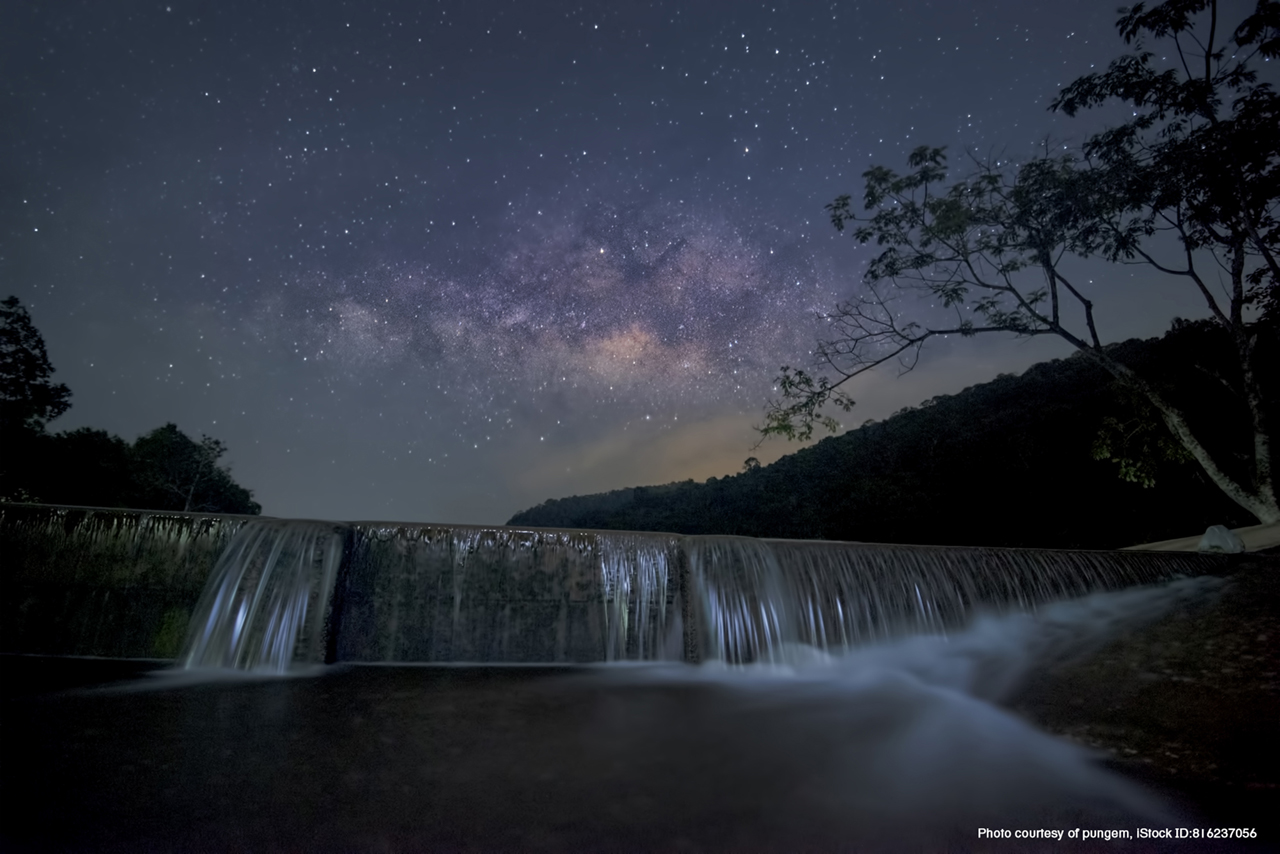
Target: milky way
440	261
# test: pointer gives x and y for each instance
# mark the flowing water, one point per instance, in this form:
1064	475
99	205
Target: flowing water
678	693
308	592
427	593
757	596
266	603
898	745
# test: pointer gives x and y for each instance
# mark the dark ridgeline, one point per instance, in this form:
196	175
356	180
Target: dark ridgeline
1010	462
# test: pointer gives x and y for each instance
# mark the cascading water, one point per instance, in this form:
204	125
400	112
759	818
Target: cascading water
266	603
759	597
641	613
433	593
868	704
460	594
127	583
738	584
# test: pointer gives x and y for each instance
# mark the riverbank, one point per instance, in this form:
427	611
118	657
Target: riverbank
1189	705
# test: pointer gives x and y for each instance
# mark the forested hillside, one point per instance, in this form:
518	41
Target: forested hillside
1010	462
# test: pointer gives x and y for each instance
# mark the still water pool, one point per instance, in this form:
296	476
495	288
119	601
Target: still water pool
902	746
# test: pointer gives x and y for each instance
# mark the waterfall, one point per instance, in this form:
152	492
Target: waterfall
639	600
862	693
266	603
435	593
456	593
758	597
278	592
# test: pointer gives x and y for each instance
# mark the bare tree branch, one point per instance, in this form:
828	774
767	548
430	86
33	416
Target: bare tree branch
1177	168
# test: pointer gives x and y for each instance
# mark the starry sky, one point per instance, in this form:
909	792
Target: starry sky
440	261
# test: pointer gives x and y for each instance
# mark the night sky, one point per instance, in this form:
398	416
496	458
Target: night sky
441	261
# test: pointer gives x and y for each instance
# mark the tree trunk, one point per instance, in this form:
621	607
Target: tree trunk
1261	502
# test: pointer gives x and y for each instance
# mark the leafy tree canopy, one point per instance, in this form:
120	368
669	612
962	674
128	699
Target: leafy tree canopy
28	398
163	470
174	472
1197	169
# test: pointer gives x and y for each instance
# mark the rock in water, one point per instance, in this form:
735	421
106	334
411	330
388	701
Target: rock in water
1219	538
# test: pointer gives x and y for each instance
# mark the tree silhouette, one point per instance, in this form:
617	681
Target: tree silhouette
174	472
163	470
28	399
1199	163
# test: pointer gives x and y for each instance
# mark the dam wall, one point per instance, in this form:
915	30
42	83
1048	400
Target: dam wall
252	592
104	582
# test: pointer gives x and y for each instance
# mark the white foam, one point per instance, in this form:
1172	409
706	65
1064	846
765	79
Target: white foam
911	732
